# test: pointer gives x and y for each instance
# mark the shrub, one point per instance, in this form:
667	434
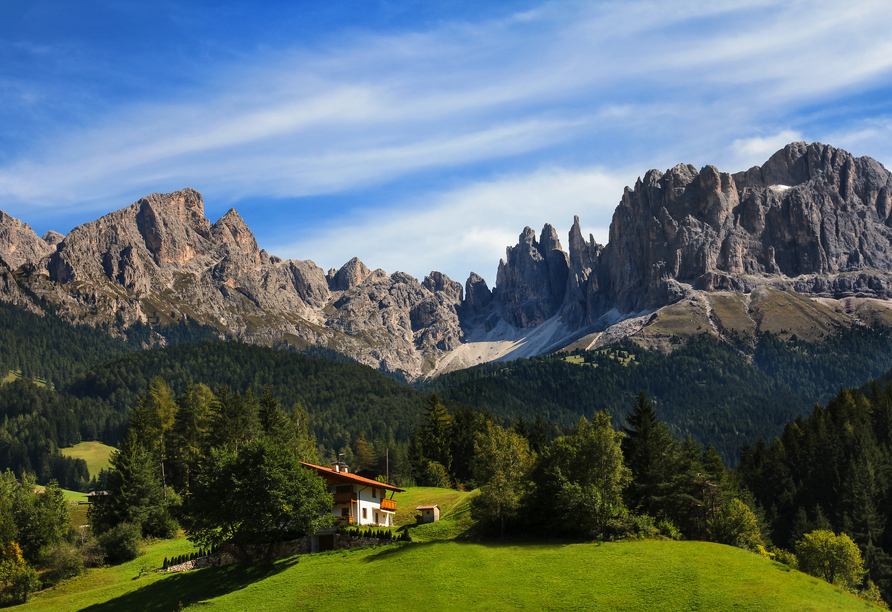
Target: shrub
62	561
643	526
161	525
668	529
122	542
92	552
435	475
871	593
736	525
786	557
17	578
23	583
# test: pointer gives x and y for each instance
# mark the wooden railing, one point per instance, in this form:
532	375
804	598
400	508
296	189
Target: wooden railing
388	504
343	519
344	498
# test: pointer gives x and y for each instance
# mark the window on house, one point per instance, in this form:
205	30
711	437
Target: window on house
364	513
376	517
374	494
345	488
345	512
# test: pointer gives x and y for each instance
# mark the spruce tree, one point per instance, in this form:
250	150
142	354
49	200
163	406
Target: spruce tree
435	433
648	451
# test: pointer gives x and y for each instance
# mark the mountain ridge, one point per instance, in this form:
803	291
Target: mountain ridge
813	220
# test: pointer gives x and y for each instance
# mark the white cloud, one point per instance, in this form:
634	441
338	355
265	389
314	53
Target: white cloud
749	152
555	81
468	229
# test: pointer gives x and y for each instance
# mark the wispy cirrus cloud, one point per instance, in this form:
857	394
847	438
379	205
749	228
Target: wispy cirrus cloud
463	230
472	106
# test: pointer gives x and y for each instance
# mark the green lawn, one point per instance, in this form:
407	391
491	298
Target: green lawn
622	576
96	455
107	585
455	523
424	496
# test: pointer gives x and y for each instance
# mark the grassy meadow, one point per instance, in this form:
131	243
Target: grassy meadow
447	575
96	455
424	496
12	375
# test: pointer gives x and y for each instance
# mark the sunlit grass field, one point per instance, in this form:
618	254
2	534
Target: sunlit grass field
445	575
447	567
96	455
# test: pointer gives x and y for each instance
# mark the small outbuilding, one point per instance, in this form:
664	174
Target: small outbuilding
429	514
98	497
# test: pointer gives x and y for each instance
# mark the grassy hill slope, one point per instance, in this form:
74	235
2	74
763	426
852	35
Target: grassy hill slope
96	455
633	576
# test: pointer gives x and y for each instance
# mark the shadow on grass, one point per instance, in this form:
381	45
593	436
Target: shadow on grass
193	587
392	552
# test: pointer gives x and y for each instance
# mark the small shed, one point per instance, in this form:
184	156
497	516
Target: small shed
429	514
98	497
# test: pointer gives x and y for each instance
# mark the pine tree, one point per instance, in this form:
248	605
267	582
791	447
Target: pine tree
538	436
273	422
648	451
436	430
363	453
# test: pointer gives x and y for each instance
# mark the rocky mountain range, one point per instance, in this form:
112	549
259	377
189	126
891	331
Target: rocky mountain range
802	245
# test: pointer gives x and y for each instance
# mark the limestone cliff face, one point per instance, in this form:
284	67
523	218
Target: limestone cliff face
532	279
19	244
160	260
810	210
812	220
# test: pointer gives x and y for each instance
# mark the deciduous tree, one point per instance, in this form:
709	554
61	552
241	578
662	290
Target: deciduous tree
255	494
581	477
835	558
502	463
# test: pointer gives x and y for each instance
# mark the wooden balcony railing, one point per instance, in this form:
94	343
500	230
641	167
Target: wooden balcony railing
388	504
343	519
344	498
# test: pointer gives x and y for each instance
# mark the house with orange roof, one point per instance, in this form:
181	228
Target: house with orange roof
356	499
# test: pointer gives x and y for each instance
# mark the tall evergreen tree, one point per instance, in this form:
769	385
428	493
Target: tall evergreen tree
135	493
189	431
435	433
649	453
465	425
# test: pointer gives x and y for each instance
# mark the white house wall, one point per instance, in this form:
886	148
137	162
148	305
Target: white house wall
364	501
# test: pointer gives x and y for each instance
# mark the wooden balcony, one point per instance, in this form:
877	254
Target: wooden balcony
389	505
344	498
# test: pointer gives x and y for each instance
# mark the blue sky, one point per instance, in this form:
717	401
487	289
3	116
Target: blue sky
418	135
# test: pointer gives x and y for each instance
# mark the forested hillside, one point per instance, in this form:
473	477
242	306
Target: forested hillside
831	470
707	389
36	422
50	349
343	399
